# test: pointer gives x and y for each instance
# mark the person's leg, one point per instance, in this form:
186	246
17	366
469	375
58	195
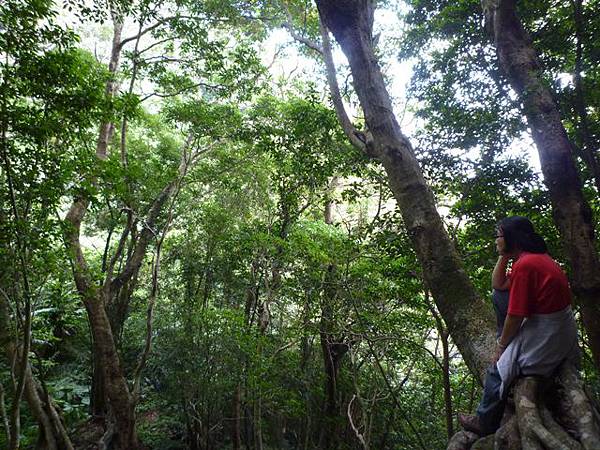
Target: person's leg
500	301
491	407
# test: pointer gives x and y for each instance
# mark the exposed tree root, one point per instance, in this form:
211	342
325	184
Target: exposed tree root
462	440
507	437
577	407
548	415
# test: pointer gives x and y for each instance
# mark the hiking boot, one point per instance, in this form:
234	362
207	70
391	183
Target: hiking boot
470	422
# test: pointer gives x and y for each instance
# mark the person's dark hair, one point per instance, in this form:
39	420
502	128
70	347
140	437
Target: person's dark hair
519	233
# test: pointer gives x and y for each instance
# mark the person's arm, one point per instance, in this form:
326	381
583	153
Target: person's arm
499	279
512	325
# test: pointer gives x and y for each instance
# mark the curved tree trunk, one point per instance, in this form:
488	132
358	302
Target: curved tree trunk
121	433
572	214
468	319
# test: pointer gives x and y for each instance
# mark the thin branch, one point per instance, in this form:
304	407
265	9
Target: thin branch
358	139
120	248
151	28
356	431
154	44
284	347
181	91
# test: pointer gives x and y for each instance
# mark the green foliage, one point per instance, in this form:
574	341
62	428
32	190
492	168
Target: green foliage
254	282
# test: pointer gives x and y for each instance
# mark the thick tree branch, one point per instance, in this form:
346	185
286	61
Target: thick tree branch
357	138
289	26
302	39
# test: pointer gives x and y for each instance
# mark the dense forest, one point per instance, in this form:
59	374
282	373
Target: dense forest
270	224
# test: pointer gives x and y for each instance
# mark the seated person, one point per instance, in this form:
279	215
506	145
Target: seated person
539	331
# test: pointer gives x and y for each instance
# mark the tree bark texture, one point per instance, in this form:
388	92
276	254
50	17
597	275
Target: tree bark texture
469	320
121	404
571	212
462	440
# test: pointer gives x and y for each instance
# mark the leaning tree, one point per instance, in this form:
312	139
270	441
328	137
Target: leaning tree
351	22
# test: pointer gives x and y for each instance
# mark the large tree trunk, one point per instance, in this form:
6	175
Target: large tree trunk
121	405
469	320
121	433
572	214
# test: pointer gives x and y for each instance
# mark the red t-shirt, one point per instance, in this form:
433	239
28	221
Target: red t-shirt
537	286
